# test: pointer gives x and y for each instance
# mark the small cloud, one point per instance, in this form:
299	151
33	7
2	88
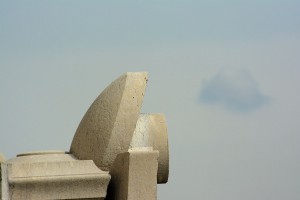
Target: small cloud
234	89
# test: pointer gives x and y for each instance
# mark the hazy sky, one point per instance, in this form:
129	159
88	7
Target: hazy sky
225	73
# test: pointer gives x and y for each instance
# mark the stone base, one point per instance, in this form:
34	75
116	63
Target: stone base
52	176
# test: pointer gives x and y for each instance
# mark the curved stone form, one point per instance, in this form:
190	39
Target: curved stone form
107	127
151	131
132	149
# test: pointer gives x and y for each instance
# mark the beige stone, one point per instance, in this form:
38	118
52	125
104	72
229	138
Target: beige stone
132	149
134	175
108	125
2	160
151	131
43	153
53	176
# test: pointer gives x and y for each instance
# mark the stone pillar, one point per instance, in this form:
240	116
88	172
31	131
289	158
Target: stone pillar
134	175
151	131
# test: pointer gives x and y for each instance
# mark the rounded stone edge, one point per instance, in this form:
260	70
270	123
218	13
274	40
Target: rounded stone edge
151	131
32	153
134	86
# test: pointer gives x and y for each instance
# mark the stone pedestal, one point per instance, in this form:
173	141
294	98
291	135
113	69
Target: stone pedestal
52	176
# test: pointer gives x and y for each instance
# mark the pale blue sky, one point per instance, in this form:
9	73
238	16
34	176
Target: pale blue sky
57	56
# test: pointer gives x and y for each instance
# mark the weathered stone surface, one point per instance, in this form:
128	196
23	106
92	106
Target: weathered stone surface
134	175
52	176
2	160
151	131
108	125
113	136
43	153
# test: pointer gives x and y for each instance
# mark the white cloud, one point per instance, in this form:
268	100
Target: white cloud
234	89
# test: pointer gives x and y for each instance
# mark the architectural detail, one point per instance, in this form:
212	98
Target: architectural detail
116	153
151	131
107	127
53	176
134	175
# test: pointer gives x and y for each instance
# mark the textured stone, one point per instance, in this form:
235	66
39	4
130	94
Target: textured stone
43	153
107	127
2	158
112	136
151	131
134	175
52	176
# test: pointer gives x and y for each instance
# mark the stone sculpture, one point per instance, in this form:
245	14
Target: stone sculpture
116	153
